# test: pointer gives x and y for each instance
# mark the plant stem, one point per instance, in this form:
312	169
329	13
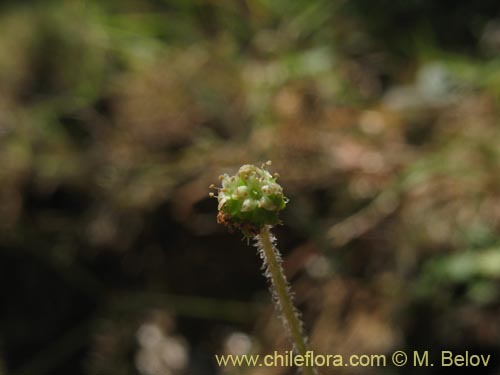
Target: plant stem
279	283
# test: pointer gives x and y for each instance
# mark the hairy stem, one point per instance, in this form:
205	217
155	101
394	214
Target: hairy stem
281	291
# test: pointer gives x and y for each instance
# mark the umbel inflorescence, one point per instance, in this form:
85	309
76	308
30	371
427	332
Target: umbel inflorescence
250	199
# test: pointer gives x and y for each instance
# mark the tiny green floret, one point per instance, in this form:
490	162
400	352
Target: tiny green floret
250	199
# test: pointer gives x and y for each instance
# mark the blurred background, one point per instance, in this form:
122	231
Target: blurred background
382	118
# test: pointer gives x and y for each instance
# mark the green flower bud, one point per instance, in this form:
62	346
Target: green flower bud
250	199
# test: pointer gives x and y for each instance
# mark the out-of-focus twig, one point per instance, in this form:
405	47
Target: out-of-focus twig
362	221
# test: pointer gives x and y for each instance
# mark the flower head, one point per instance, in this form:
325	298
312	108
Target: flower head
250	199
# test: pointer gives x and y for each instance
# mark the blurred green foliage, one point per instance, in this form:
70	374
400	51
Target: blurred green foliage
381	117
